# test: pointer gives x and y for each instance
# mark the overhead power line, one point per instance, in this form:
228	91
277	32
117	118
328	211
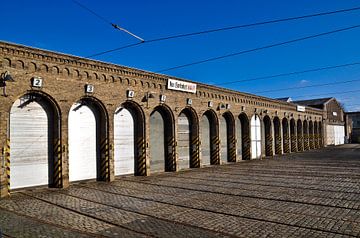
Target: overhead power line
117	27
309	86
259	48
223	28
325	94
290	73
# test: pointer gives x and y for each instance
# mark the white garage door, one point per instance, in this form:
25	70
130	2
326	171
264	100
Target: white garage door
335	135
29	144
123	142
183	141
82	143
255	137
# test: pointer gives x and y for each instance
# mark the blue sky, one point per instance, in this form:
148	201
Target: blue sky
65	27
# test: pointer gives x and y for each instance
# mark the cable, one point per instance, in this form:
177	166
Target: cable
324	94
259	48
107	21
231	28
290	73
92	12
309	86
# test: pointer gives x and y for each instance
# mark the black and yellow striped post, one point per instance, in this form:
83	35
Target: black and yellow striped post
141	157
57	164
286	143
215	150
246	147
269	147
104	161
232	149
311	140
306	142
321	142
300	143
195	153
316	141
293	143
278	144
7	165
170	160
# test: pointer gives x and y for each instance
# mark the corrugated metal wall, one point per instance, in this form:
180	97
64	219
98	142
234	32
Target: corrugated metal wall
82	143
223	140
205	140
183	141
29	144
123	142
255	137
335	135
157	146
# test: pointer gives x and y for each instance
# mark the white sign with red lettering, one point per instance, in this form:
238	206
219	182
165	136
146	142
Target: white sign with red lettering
181	86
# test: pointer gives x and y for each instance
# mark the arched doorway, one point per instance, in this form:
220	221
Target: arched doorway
227	138
285	135
129	140
255	137
162	140
209	139
123	142
321	138
277	135
293	135
316	135
188	139
306	135
88	141
311	135
34	136
245	136
300	135
268	136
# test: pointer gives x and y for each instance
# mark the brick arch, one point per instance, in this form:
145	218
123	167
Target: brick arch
20	64
52	109
293	135
230	133
311	134
193	136
44	68
169	136
214	136
268	136
245	135
277	135
7	62
285	135
55	70
102	135
139	136
300	138
306	134
33	67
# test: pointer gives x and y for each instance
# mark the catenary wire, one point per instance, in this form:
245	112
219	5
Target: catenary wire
289	73
259	48
324	94
221	29
117	27
309	86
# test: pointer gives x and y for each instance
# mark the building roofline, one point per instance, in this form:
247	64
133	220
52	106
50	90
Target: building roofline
158	76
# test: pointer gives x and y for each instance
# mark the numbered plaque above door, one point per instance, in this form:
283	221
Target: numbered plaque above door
37	82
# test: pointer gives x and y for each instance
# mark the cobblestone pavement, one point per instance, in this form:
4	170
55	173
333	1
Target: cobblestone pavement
310	194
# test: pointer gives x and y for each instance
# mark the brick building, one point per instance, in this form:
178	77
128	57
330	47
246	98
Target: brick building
65	118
